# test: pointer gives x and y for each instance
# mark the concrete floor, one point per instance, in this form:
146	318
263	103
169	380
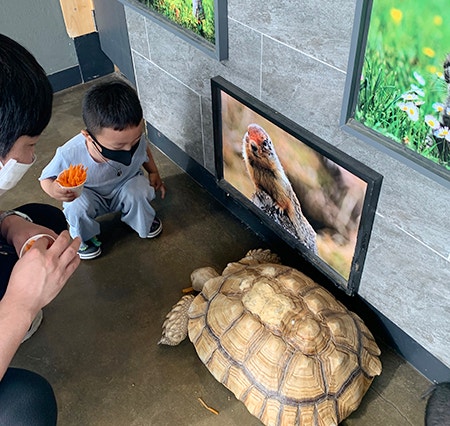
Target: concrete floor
98	342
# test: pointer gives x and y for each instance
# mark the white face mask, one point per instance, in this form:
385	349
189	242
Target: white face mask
11	173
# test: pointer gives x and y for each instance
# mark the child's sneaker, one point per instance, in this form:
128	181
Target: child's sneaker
90	249
155	229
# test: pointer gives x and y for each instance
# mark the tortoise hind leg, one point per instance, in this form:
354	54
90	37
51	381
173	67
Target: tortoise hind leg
175	326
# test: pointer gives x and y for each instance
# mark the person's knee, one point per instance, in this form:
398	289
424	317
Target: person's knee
82	206
26	398
46	215
137	189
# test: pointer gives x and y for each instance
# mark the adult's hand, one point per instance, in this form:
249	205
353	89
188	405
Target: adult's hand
41	273
35	281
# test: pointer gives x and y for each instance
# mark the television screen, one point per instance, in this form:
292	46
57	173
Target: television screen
318	199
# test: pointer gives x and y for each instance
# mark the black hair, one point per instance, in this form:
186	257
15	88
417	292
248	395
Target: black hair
112	104
26	95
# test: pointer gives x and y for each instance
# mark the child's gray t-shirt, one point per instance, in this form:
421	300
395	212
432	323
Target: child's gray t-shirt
105	178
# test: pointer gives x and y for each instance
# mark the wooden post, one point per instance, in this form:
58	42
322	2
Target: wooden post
78	17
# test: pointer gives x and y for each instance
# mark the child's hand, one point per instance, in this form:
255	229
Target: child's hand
157	183
54	189
62	194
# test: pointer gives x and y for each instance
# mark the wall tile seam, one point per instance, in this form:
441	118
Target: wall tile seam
200	97
442	255
138	90
146	39
166	72
447	259
261	65
288	46
129	21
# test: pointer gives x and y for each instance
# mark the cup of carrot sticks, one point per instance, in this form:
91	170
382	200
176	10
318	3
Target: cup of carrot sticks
73	178
29	243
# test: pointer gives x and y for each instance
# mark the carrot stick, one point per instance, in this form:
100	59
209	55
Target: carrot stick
208	407
72	176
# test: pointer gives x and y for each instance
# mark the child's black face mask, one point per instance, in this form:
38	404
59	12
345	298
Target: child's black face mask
121	156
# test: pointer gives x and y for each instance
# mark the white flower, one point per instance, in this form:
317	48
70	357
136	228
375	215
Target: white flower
432	122
411	109
409	96
439	107
442	132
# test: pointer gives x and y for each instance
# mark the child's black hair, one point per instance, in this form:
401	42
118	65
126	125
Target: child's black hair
26	95
112	104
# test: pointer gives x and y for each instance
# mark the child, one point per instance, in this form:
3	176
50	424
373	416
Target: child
113	148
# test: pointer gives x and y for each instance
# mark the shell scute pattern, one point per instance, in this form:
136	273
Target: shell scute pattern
219	366
263	362
338	364
246	329
213	287
343	329
254	399
302	380
320	301
224	311
238	381
206	346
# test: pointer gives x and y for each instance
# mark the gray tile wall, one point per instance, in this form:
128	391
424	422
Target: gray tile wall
293	56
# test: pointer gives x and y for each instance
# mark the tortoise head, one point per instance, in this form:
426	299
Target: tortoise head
200	276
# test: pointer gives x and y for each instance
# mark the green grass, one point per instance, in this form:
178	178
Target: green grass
180	12
408	42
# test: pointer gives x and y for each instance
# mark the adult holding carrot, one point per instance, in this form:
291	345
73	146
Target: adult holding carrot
30	283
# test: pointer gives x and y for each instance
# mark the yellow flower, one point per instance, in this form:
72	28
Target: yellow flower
437	20
396	15
428	51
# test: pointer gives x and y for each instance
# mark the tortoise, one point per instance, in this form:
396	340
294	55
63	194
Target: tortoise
286	348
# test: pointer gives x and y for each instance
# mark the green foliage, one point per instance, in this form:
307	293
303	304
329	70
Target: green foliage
181	13
398	62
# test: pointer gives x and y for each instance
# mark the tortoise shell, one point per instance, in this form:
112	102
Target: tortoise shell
284	346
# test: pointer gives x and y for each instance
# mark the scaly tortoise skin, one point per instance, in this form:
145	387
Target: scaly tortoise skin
284	346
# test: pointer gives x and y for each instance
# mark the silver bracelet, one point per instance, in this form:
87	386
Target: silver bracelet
7	213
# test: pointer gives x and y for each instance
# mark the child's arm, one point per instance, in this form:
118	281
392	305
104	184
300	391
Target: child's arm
52	188
153	174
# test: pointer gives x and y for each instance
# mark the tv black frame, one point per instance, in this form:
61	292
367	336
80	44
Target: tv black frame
372	179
